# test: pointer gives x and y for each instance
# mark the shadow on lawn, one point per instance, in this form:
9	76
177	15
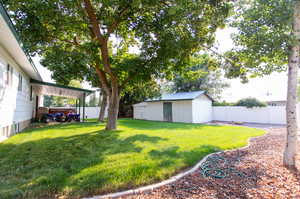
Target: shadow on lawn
159	125
46	167
71	165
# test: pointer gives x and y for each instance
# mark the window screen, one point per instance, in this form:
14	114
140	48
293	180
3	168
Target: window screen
20	82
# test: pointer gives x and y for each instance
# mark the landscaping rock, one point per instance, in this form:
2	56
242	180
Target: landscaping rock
253	172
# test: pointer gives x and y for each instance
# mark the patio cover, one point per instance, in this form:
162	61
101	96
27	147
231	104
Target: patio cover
45	88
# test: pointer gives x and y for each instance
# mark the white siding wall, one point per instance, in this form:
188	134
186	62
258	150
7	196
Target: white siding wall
182	111
154	111
15	106
267	115
139	112
202	109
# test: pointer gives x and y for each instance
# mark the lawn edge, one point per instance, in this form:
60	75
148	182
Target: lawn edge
176	177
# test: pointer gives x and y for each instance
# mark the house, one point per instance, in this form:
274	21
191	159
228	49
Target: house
16	69
21	86
188	107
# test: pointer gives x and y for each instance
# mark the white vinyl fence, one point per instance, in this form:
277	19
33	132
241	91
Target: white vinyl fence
92	112
265	115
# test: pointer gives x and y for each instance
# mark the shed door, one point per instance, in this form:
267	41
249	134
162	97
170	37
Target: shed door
167	106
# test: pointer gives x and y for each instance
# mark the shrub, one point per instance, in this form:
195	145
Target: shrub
224	103
250	103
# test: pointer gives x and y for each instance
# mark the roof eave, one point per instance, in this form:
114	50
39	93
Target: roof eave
10	24
33	81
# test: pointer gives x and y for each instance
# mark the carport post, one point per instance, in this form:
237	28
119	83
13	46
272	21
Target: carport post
79	104
76	106
83	107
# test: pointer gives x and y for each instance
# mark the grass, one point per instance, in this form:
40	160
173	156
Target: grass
81	159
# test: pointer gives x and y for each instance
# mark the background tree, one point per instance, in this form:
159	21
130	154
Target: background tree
203	73
166	32
250	102
223	103
268	40
137	93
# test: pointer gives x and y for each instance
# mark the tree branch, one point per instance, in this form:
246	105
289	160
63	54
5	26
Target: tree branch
93	20
74	42
218	54
103	79
115	24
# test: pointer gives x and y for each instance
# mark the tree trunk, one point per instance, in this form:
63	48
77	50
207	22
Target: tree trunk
289	158
103	107
114	97
113	109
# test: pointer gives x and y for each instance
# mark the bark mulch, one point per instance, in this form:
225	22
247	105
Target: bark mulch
254	172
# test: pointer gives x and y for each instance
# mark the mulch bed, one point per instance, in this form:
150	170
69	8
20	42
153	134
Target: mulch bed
254	172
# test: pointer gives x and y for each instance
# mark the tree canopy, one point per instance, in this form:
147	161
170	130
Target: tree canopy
263	38
165	32
202	73
268	40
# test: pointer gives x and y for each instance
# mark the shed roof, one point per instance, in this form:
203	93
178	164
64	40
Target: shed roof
179	96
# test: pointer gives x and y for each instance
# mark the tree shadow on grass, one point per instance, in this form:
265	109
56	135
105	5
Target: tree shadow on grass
172	154
63	165
159	125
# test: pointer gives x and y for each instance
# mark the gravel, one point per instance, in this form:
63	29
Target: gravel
254	172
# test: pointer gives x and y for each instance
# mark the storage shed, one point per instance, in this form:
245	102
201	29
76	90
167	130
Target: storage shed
188	107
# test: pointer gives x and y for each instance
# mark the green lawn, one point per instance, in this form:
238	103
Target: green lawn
79	159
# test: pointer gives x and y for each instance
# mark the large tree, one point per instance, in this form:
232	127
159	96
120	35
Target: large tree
202	73
268	40
166	33
67	63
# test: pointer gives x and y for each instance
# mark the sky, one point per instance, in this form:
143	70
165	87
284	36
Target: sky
268	88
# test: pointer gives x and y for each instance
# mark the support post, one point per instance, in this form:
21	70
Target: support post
83	107
76	106
79	105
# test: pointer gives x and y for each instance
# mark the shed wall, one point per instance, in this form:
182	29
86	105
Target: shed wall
202	109
182	111
154	111
139	112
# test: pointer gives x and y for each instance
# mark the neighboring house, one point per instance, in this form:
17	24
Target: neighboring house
17	99
276	103
188	107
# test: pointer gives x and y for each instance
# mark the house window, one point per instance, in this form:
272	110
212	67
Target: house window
31	93
9	75
5	131
2	76
20	82
16	128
